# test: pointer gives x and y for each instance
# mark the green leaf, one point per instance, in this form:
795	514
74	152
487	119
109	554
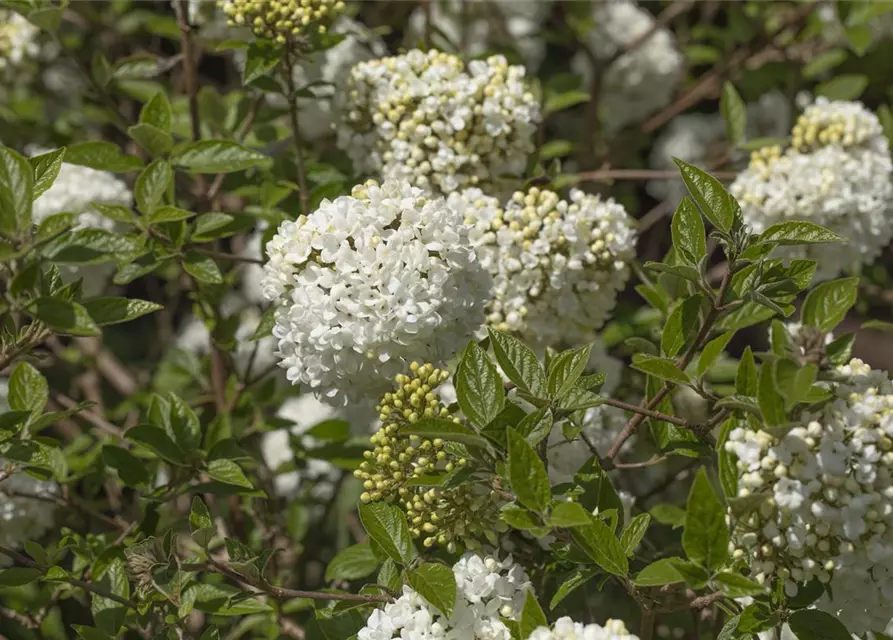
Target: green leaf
18	576
445	429
848	86
352	563
156	440
827	305
16	191
103	156
108	614
479	389
735	585
202	268
151	138
566	369
266	324
662	368
659	573
668	514
185	425
105	311
689	235
576	579
63	316
706	536
218	156
201	524
712	350
768	397
88	245
527	473
520	518
46	168
746	377
694	575
536	426
733	111
822	62
682	326
757	617
435	583
386	525
151	186
532	616
116	212
28	389
228	472
634	533
169	214
812	624
518	362
715	202
261	58
599	543
566	100
131	469
569	514
157	113
794	233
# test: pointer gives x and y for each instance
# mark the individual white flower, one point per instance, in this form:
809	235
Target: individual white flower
430	119
487	590
18	39
22	518
484	25
701	139
822	496
639	82
566	629
557	265
836	173
306	412
369	282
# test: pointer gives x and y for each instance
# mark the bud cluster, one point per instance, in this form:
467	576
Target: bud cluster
282	20
395	469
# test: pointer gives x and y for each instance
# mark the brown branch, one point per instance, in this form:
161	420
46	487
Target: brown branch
90	416
703	602
189	67
296	132
648	412
641	465
609	175
230	257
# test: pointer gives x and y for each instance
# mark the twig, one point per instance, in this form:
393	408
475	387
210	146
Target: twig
666	16
703	602
93	418
296	132
189	70
641	465
648	412
230	257
609	175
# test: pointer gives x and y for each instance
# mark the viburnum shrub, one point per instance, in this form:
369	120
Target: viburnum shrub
445	320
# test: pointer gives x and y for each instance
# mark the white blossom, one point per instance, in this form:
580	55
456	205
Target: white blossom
566	629
557	265
441	124
639	82
18	39
701	139
369	282
487	590
836	173
822	495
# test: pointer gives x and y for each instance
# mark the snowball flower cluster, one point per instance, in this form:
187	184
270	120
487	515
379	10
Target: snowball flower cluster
429	118
282	20
487	590
567	629
640	81
368	282
823	499
557	265
75	189
18	39
836	173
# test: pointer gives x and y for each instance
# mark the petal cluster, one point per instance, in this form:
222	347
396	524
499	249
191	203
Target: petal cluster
821	499
836	173
567	629
368	282
437	122
487	590
557	265
18	39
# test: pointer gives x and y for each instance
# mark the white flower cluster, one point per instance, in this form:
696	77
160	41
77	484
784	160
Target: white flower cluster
18	39
484	25
429	118
22	518
73	191
369	282
836	173
306	412
700	139
640	81
567	629
557	265
487	590
823	496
